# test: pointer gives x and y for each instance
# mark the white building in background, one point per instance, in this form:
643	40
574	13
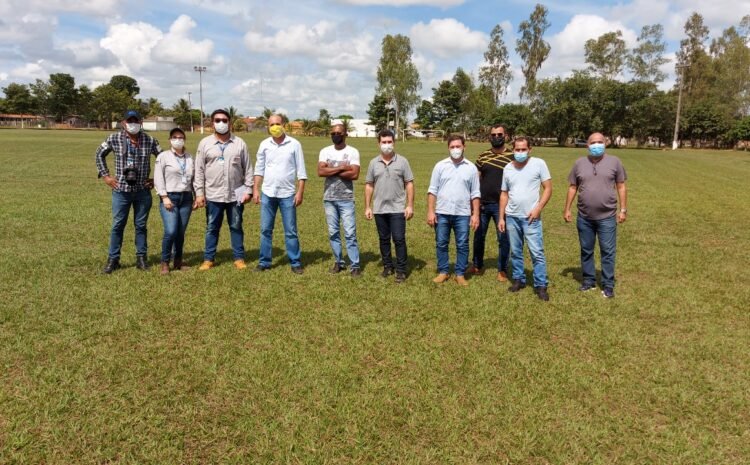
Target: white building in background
159	123
359	128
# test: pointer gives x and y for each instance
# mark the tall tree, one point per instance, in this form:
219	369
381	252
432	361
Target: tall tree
152	107
398	78
110	103
84	106
378	112
324	119
181	112
426	115
496	73
532	48
693	63
647	58
446	105
40	97
464	84
606	55
730	89
126	84
18	99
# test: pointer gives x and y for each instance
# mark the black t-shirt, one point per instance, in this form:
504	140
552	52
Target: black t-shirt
490	166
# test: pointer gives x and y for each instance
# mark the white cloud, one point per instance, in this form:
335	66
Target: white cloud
30	71
14	8
178	48
399	3
447	38
87	53
132	43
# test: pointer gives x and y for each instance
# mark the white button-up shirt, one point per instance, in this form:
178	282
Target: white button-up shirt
279	165
454	185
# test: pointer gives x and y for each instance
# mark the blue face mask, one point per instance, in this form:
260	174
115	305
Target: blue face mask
596	150
521	157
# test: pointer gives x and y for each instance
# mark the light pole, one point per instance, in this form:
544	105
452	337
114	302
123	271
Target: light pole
190	108
675	140
201	70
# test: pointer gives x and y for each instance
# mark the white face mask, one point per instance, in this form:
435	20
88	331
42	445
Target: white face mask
177	144
386	149
456	153
133	128
221	128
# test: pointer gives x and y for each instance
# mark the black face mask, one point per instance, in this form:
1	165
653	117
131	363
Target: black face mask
337	139
497	142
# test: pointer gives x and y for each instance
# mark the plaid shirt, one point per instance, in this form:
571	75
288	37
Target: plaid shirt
126	154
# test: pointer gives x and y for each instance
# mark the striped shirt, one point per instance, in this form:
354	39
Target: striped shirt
127	153
491	166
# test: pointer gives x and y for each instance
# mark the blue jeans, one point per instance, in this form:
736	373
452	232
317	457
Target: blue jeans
342	211
490	211
175	223
268	208
606	230
460	227
392	226
214	216
121	203
519	229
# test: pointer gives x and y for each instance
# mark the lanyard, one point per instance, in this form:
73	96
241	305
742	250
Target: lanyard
183	165
223	147
132	152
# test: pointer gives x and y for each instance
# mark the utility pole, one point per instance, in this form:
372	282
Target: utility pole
201	70
190	107
675	138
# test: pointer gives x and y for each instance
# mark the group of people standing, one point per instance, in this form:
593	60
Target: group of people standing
502	186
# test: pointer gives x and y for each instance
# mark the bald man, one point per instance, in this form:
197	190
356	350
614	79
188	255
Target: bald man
599	180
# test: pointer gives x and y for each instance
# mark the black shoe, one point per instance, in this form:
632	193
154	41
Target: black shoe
141	263
517	286
112	265
336	268
608	293
260	269
356	272
297	270
587	287
541	292
400	277
387	271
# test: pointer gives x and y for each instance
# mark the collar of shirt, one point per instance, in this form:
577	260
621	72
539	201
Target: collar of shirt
382	160
286	140
219	142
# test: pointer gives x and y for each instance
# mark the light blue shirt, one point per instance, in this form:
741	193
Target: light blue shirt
280	164
454	185
522	186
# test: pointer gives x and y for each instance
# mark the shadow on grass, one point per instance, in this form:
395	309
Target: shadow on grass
576	273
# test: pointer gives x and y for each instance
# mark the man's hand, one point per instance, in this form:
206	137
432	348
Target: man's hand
567	216
431	219
110	181
148	184
474	222
298	198
167	203
501	225
534	214
368	213
200	202
621	217
408	213
246	198
256	196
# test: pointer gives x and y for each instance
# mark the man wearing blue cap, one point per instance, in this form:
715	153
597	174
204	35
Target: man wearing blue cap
130	185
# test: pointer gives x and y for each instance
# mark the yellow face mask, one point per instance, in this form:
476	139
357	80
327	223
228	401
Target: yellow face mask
276	130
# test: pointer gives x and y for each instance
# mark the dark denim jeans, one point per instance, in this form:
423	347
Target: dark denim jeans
337	212
214	216
175	223
268	208
460	227
392	226
520	230
121	203
490	211
588	231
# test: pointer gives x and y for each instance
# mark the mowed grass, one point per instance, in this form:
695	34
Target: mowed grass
238	367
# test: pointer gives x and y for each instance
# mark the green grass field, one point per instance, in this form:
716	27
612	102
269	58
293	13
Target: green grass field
237	367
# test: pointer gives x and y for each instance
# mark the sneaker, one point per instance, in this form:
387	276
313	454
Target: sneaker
240	264
587	287
206	265
356	272
441	278
112	265
608	293
141	263
387	271
400	277
164	268
336	268
541	292
502	276
517	286
260	269
461	281
297	270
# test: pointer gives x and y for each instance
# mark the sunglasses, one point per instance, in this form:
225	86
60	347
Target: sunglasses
221	121
498	135
337	133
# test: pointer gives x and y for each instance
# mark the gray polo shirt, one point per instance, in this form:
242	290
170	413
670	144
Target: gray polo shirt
597	194
389	182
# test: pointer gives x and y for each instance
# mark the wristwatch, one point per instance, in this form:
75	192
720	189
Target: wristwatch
623	210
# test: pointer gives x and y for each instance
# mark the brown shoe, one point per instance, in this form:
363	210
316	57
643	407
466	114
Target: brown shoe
502	276
441	278
461	281
240	264
475	271
164	269
206	265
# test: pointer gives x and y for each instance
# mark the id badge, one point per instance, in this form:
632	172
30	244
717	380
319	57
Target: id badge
184	179
221	160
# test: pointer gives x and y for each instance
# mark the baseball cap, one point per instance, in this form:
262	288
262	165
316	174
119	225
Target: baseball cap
132	114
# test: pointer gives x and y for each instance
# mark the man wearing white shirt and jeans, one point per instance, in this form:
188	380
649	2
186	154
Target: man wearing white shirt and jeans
521	214
278	163
453	203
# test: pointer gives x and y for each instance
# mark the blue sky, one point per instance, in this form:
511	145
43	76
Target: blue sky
300	56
